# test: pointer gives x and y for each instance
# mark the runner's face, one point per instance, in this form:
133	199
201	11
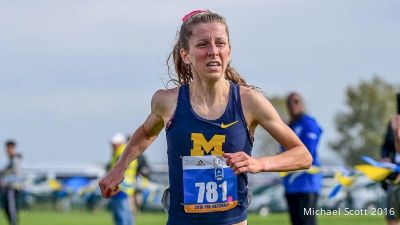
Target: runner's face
209	51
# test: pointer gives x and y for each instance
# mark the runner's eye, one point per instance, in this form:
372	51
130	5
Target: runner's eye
221	44
201	44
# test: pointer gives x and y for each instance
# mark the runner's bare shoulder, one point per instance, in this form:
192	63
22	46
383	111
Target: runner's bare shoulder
164	102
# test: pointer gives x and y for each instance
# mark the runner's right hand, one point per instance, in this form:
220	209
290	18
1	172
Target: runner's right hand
109	184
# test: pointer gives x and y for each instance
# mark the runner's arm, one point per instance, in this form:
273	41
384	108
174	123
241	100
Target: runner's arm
259	111
138	143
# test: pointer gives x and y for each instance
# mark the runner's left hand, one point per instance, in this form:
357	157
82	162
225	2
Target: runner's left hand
241	162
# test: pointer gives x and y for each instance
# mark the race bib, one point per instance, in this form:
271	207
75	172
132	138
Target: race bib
209	184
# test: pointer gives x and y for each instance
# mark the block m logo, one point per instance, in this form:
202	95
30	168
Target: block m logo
201	145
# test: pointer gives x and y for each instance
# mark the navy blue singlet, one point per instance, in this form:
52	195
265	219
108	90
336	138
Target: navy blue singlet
180	142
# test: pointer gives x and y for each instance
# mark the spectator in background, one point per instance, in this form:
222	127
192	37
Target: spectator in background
143	168
10	183
138	201
302	188
390	152
121	203
143	183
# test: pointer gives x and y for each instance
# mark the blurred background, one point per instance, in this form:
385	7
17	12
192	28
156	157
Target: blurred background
72	73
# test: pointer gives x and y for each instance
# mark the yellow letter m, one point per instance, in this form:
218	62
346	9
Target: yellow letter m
201	145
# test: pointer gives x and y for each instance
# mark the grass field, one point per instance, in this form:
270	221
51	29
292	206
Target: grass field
36	217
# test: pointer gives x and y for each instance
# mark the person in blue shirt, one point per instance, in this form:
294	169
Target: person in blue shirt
210	119
302	188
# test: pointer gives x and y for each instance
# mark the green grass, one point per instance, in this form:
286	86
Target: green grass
45	217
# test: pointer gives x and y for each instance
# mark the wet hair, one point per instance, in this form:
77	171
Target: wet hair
183	71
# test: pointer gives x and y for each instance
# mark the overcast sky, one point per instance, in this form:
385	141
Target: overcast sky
73	72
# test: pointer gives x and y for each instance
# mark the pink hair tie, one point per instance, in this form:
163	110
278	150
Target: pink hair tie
189	15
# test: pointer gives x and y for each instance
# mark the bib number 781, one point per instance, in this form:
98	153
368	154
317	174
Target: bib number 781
210	190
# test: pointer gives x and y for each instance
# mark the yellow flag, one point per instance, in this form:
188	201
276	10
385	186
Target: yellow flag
344	180
374	173
54	184
314	170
